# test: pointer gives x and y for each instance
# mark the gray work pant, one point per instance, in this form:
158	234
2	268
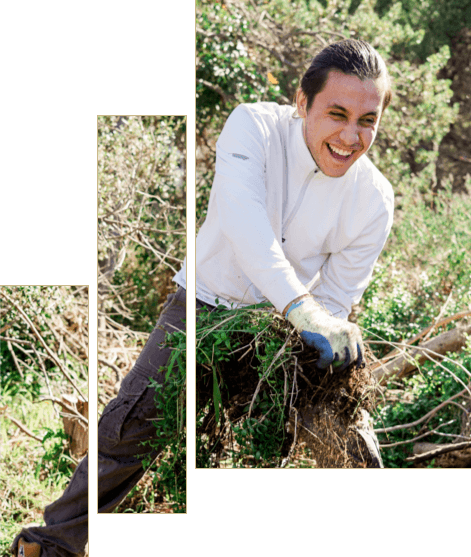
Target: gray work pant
125	423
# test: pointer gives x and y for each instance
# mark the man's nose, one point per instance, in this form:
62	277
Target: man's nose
350	136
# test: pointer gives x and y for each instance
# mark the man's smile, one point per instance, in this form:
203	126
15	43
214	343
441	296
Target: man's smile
339	154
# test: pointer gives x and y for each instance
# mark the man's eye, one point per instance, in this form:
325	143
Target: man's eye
339	114
369	122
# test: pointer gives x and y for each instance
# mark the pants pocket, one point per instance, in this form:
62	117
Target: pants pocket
116	412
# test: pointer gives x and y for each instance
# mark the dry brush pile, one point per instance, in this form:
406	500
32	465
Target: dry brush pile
261	402
261	398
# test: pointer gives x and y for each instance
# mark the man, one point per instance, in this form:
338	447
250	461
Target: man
298	214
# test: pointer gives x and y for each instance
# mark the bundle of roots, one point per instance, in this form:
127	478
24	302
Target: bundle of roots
324	410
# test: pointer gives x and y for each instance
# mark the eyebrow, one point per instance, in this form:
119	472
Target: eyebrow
338	107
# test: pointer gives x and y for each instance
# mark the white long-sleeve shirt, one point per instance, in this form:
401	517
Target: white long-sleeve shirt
277	227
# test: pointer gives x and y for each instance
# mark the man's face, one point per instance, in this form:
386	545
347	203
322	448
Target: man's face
342	122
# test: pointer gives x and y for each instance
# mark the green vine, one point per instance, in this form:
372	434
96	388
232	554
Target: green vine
170	427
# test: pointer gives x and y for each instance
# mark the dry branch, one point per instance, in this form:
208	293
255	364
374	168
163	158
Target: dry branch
441	449
425	333
423	418
450	341
73	412
50	353
23	428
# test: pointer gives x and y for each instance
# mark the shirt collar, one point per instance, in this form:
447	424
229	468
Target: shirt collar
301	151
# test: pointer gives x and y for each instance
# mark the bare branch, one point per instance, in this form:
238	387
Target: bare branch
51	354
441	449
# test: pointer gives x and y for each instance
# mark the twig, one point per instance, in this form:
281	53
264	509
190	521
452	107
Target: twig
15	360
422	419
398	372
442	311
426	434
51	354
119	373
417	337
23	428
442	449
72	411
280	351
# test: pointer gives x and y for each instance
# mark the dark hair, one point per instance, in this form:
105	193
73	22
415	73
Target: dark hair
350	56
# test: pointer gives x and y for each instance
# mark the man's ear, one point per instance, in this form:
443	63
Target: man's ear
301	103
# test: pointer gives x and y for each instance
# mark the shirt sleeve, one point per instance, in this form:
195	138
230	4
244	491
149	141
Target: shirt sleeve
239	191
345	275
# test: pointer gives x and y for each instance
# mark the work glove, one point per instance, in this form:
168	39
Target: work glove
338	342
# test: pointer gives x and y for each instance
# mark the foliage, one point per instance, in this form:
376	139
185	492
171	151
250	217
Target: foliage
169	474
55	462
440	20
141	213
137	155
424	269
258	434
424	272
245	47
424	393
47	307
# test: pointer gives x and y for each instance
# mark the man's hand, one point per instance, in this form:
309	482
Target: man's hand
339	342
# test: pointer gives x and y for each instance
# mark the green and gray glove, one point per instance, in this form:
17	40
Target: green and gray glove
339	342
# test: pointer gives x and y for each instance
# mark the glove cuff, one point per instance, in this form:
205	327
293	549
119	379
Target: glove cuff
291	305
299	308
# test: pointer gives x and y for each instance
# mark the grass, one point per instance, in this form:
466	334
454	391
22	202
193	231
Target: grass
32	474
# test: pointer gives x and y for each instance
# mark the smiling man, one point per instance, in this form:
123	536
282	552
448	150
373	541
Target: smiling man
298	214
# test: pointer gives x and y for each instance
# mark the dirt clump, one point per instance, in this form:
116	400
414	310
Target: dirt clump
332	415
323	410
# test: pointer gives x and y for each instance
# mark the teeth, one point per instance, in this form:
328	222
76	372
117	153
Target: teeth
340	152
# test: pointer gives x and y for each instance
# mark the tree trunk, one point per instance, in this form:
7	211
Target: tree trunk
74	428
